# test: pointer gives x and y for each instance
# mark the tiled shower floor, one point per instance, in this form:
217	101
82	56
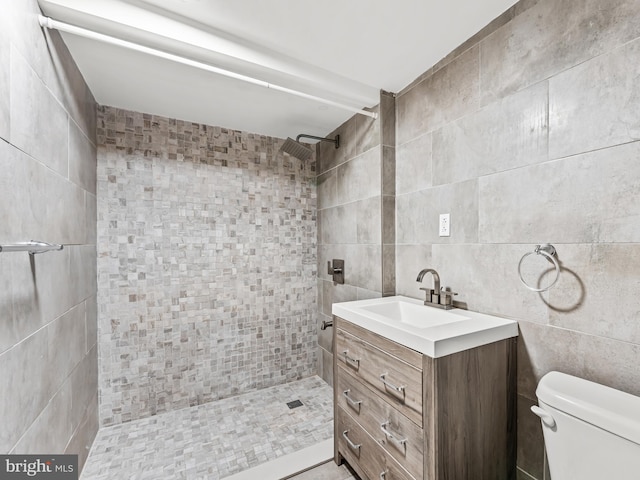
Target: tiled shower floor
215	440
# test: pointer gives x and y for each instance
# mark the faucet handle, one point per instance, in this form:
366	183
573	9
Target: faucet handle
447	293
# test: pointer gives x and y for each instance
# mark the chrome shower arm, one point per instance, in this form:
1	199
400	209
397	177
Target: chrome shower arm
322	139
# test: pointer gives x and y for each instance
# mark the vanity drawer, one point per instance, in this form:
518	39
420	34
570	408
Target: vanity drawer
395	380
358	448
401	438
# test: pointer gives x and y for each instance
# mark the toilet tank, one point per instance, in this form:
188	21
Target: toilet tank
591	432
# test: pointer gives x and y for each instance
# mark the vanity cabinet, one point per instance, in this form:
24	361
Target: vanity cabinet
400	414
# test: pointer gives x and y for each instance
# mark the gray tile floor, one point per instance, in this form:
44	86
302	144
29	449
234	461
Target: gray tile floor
217	439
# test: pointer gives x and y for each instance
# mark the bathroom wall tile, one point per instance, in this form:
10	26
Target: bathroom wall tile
410	259
9	325
84	435
364	294
360	177
327	192
595	104
340	223
360	270
368	220
577	302
36	114
388	170
418	213
216	293
50	432
530	444
325	337
91	323
448	94
388	269
84	385
542	349
486	279
24	371
82	159
388	220
551	37
49	57
336	293
91	213
367	132
388	118
534	205
329	156
4	85
326	366
504	135
66	337
52	209
413	165
40	289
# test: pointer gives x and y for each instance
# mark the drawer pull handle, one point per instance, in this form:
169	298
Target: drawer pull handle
388	385
354	404
383	475
353	446
351	362
399	443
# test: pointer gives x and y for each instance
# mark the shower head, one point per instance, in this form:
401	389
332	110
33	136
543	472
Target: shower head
296	149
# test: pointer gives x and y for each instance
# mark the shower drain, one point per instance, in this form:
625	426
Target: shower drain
294	404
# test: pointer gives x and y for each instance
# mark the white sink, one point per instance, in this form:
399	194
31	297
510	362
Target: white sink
429	330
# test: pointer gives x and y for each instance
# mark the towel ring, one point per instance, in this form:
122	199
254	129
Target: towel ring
548	251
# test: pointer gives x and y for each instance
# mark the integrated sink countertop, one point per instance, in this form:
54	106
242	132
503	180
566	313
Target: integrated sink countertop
428	330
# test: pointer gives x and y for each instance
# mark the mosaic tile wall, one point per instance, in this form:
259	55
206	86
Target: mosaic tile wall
206	264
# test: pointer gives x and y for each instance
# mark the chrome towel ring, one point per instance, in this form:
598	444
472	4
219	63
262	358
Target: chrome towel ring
548	251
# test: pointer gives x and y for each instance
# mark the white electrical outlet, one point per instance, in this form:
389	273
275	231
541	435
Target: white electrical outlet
445	225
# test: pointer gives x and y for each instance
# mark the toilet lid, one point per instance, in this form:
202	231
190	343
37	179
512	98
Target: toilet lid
609	409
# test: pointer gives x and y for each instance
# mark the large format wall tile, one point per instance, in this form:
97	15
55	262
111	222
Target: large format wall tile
82	159
410	259
46	323
595	105
413	165
448	94
418	214
35	114
542	349
506	134
577	302
551	37
24	371
4	84
360	177
582	199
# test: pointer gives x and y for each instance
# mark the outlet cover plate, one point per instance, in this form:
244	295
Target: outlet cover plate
444	227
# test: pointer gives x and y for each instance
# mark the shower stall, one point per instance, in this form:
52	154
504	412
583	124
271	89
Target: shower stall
207	292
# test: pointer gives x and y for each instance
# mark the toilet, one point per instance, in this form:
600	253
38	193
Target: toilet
591	432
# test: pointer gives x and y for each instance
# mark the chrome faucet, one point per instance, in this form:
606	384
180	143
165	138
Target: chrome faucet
436	296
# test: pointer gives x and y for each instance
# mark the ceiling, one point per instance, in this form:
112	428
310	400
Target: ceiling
344	51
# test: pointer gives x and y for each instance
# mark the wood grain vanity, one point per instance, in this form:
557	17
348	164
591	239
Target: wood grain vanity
403	415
